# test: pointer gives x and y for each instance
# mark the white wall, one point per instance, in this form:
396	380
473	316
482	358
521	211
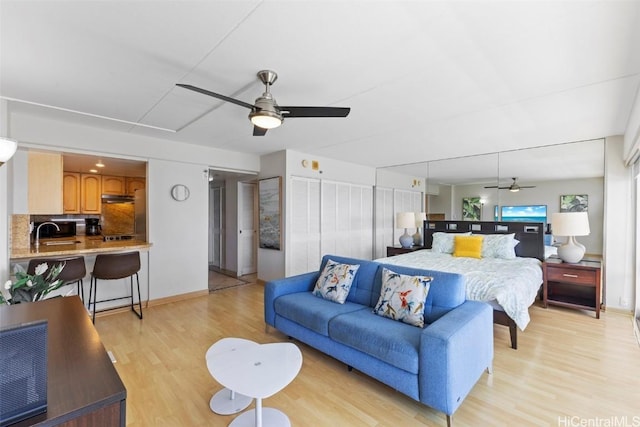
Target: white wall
619	237
177	230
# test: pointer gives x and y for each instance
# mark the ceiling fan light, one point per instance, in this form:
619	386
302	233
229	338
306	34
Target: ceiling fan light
514	189
265	119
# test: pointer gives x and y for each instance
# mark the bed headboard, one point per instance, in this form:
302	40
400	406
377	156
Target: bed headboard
530	234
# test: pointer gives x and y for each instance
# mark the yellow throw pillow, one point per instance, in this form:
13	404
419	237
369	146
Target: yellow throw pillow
468	246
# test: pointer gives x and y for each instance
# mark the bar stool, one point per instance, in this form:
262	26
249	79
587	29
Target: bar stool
73	272
112	267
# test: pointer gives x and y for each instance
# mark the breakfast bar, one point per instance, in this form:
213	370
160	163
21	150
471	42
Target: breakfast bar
89	247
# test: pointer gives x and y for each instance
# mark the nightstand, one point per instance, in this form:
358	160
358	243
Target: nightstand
572	285
399	250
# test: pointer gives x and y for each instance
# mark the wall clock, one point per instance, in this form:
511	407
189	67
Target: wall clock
180	192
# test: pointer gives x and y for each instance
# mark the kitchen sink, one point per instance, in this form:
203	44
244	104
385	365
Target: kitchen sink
60	242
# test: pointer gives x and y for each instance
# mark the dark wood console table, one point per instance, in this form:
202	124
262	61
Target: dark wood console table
83	387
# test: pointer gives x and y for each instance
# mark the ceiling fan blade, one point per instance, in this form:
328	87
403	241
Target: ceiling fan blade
491	186
217	95
527	186
259	131
314	111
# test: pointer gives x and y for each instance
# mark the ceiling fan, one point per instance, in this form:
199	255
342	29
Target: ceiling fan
514	187
266	113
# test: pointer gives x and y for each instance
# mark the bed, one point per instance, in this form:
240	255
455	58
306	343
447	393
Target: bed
509	283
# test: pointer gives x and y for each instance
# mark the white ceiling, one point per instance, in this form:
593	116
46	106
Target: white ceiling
424	80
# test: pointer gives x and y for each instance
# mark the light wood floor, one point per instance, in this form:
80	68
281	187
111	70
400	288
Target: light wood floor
569	368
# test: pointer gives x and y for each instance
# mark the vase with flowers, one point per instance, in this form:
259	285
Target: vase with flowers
33	287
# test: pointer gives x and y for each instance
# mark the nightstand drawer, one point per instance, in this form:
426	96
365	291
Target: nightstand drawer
571	275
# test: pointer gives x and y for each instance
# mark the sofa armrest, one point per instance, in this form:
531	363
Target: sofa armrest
288	285
454	352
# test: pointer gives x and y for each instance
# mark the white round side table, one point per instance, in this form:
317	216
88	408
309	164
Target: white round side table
226	401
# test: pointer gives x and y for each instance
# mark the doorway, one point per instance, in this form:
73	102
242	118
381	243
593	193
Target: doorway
232	225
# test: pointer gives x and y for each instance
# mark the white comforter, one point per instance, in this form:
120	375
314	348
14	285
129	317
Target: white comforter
512	283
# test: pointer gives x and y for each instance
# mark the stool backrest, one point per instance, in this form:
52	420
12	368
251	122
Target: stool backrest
116	266
74	267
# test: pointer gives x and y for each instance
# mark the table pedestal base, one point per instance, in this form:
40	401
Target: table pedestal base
260	416
227	402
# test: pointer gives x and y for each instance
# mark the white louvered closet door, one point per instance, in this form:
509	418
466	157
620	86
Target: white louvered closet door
347	220
384	221
304	250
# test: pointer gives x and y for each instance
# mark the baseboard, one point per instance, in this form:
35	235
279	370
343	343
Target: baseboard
261	282
176	298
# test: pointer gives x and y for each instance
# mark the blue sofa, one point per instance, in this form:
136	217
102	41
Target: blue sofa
437	365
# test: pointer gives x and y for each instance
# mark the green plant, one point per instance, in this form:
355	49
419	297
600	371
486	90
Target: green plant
33	287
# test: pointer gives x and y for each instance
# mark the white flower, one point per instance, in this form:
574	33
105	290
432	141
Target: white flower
29	283
41	269
8	284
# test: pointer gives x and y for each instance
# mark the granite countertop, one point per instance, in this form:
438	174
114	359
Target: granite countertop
87	245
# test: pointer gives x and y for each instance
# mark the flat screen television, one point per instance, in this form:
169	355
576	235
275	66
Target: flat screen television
23	371
524	213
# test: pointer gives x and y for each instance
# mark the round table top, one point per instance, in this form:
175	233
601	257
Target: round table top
258	371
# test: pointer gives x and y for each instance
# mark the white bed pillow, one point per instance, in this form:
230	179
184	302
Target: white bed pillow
443	242
499	246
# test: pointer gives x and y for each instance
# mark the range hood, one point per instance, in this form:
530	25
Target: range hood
121	198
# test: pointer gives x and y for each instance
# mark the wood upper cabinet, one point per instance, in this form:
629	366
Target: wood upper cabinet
82	193
134	183
71	192
113	185
90	194
45	183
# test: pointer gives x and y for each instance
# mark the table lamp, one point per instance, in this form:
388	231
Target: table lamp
570	224
420	219
405	220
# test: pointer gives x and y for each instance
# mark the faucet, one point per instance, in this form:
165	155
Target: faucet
37	244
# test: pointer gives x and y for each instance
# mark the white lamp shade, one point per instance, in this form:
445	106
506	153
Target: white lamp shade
7	149
570	224
420	218
405	220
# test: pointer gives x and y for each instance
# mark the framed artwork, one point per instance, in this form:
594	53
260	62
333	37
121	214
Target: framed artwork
574	203
471	209
270	219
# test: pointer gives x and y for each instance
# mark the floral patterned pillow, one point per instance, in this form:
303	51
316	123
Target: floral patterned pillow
402	297
335	281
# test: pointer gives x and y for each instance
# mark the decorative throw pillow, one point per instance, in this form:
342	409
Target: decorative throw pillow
402	297
443	242
335	281
499	246
468	246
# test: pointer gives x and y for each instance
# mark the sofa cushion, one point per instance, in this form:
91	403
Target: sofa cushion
362	285
335	280
393	342
312	312
403	297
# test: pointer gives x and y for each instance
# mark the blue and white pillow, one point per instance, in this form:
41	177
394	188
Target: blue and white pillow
402	297
335	281
443	242
499	246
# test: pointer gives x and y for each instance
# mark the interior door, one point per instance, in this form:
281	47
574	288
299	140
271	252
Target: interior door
216	194
247	234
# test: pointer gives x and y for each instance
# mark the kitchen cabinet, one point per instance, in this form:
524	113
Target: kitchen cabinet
71	192
134	183
45	183
81	193
90	194
113	185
